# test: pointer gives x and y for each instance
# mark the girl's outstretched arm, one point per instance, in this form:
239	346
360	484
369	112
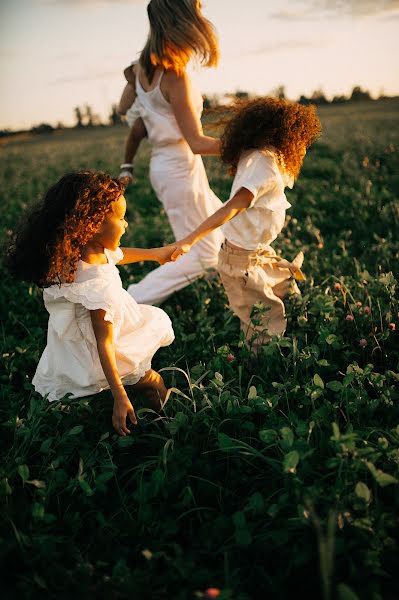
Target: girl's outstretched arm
161	255
236	205
103	331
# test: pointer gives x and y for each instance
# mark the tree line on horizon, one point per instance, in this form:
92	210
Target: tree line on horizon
86	118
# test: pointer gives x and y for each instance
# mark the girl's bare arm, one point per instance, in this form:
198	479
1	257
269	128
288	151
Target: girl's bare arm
178	89
160	255
240	202
127	98
103	331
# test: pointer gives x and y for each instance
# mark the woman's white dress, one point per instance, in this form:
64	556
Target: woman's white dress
179	179
70	363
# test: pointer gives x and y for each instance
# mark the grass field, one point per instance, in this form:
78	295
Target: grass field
265	480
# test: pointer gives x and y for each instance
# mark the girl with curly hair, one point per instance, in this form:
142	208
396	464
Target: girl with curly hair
264	144
98	336
170	109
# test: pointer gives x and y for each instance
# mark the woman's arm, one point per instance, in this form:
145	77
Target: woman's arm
160	255
238	203
179	93
103	331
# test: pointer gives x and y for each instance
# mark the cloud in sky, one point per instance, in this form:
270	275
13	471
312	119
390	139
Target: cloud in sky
279	46
314	9
87	77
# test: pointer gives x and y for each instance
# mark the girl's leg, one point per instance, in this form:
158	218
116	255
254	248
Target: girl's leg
286	288
269	319
154	388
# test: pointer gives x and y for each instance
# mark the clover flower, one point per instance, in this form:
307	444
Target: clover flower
363	343
349	318
230	357
212	593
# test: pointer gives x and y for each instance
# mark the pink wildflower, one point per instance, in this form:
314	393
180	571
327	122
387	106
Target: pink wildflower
337	287
212	593
392	326
363	343
230	357
367	310
349	318
358	304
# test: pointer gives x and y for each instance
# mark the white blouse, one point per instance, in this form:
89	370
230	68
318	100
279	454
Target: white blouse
70	363
259	172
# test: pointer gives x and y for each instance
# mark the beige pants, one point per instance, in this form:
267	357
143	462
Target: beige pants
256	281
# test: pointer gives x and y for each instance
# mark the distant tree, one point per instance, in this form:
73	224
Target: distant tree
240	95
79	117
279	92
339	99
114	116
304	100
206	102
318	97
213	101
89	116
359	94
60	125
42	128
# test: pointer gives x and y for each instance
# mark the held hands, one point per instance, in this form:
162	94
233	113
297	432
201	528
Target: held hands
169	253
122	408
181	247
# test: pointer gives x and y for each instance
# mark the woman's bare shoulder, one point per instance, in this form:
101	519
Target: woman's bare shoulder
173	82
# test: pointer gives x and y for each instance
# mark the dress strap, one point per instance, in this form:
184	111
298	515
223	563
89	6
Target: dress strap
160	78
156	86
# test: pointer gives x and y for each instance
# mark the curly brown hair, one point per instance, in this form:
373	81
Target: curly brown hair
47	246
287	126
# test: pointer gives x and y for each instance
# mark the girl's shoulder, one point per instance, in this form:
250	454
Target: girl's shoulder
258	159
267	160
130	72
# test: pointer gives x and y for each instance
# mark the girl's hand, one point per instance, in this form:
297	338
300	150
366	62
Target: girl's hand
165	254
181	247
122	408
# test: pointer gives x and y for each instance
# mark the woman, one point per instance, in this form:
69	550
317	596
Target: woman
171	109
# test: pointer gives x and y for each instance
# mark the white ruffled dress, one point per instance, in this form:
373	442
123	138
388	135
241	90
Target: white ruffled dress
70	363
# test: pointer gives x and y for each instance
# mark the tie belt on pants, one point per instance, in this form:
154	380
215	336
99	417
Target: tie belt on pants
263	255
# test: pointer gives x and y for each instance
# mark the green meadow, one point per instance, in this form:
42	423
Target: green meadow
270	478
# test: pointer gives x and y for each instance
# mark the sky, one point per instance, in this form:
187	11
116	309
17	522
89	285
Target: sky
59	54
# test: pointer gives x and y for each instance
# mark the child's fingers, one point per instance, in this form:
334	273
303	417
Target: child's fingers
132	416
119	424
121	430
175	254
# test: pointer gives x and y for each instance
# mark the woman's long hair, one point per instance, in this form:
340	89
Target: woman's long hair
178	31
287	126
48	243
